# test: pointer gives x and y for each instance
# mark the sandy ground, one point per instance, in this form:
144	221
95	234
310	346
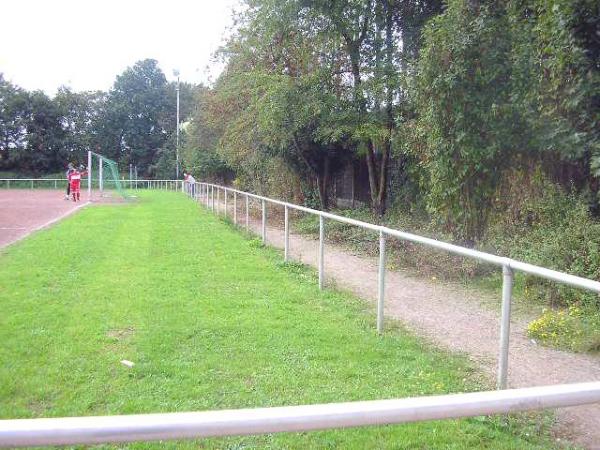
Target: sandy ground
456	318
23	211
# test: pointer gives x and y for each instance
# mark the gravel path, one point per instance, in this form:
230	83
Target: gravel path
456	318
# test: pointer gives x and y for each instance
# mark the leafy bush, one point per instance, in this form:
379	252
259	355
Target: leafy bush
400	253
573	328
554	229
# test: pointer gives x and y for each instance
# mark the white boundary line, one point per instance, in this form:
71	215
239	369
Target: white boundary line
47	224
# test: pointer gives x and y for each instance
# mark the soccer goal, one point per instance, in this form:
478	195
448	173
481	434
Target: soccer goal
103	178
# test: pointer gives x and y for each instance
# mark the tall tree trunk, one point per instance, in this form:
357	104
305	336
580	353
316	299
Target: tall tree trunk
370	156
377	168
387	145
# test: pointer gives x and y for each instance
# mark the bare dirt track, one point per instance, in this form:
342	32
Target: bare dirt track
23	211
458	319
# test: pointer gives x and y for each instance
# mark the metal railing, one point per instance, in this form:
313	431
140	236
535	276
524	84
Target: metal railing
170	426
193	425
60	183
206	192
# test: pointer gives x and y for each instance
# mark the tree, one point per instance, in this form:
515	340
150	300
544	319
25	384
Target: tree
200	142
503	86
375	39
13	113
133	124
277	101
79	118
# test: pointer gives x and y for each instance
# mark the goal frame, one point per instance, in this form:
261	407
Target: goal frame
100	160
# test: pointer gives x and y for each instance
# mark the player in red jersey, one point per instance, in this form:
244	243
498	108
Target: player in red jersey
75	182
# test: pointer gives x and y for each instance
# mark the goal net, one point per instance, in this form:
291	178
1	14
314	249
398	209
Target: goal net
105	178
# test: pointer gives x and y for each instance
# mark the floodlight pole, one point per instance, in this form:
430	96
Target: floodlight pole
177	131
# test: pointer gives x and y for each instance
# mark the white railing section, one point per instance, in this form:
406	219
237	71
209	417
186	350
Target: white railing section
206	192
61	183
170	426
193	425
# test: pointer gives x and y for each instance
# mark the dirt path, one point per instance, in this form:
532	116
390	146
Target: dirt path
455	318
23	211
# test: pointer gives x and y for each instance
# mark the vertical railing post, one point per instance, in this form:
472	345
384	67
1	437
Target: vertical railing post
286	227
235	207
212	198
381	284
54	184
321	251
247	213
218	199
31	184
507	286
225	194
264	222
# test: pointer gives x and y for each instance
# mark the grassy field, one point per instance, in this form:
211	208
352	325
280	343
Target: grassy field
211	321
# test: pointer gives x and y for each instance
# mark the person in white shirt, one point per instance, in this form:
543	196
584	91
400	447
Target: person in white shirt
191	183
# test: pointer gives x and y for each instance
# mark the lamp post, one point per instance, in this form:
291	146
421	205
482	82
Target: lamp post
176	73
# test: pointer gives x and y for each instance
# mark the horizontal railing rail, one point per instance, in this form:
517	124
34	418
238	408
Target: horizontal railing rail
122	180
194	425
171	426
60	183
531	269
206	191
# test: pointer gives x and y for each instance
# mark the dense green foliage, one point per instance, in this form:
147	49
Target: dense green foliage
314	85
460	95
132	124
211	321
499	87
489	111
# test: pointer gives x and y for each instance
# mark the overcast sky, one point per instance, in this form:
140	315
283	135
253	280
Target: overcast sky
84	44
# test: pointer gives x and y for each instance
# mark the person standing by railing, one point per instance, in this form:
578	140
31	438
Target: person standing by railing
190	183
70	169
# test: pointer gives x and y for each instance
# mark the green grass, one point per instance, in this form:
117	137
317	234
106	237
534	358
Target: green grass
212	320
